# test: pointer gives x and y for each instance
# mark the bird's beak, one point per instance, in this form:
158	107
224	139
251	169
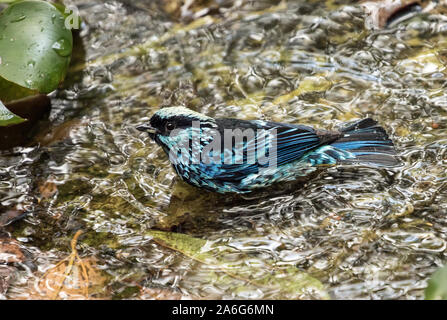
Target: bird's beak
146	128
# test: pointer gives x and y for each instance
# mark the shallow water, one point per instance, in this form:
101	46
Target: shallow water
363	232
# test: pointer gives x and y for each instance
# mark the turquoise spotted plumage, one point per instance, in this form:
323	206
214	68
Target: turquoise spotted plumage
269	152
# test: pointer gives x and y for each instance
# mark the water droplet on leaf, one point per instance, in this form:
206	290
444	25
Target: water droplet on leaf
62	47
19	18
29	83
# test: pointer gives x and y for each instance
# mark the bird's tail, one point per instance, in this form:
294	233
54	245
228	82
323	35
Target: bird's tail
368	142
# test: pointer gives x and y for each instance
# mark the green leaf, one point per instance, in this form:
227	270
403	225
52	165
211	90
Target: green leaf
35	46
10	91
437	285
7	117
288	282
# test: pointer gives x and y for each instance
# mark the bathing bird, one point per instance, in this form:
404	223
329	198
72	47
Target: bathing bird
227	155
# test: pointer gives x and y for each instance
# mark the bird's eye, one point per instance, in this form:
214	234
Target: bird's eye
170	125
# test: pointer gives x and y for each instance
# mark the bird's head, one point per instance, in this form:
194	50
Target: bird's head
173	125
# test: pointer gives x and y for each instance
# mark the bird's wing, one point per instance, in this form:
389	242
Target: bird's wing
292	142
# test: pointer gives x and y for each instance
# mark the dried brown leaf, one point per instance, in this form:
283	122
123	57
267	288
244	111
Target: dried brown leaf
10	216
48	189
10	251
379	11
72	278
6	274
